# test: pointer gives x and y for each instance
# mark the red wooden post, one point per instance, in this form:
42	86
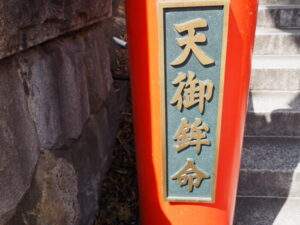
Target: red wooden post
144	45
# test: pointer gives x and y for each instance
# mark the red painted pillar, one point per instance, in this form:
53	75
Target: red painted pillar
143	33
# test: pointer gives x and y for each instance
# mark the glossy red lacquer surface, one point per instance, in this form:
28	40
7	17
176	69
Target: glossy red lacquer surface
142	22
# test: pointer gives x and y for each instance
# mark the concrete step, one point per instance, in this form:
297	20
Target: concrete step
280	73
267	211
270	167
279	16
279	2
273	113
272	41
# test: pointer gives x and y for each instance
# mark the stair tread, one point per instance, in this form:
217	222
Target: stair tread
276	62
274	101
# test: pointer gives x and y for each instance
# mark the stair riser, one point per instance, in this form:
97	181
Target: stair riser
275	79
275	124
269	183
277	44
279	17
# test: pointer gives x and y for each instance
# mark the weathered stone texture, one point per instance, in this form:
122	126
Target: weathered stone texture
25	23
66	185
58	118
58	95
52	198
18	141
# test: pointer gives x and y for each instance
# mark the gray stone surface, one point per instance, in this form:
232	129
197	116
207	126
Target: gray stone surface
25	23
66	185
275	73
116	27
274	101
284	79
267	211
273	114
58	85
18	141
279	2
282	16
271	153
277	123
53	194
265	183
269	184
59	113
270	167
276	61
277	41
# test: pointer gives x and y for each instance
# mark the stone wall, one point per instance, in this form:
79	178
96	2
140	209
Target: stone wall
59	110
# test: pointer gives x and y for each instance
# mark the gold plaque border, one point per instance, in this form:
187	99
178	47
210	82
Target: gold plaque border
181	4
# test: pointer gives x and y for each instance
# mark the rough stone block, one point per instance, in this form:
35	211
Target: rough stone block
18	141
65	80
58	113
26	23
65	189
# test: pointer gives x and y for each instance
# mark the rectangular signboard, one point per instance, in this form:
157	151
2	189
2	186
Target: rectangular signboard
193	38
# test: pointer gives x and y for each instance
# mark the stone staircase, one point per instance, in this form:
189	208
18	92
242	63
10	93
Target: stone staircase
269	185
